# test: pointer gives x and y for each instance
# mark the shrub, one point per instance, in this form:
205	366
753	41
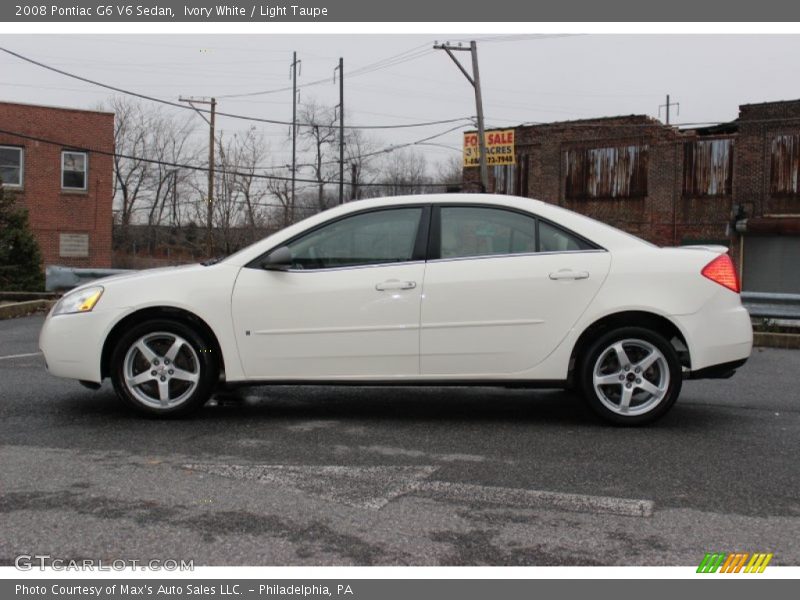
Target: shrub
20	258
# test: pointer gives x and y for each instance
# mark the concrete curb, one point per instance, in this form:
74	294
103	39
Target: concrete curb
776	340
21	309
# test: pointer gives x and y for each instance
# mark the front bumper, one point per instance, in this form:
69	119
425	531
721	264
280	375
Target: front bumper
72	345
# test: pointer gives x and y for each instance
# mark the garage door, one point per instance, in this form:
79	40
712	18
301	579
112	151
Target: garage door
771	264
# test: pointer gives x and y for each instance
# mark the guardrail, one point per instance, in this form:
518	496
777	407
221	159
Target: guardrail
65	278
772	305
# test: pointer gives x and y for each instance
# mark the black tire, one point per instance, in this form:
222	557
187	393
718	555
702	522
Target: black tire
644	406
192	378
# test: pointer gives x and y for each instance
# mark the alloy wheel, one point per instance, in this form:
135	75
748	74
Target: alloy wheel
631	377
161	370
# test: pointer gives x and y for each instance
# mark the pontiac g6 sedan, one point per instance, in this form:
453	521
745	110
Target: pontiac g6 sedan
419	290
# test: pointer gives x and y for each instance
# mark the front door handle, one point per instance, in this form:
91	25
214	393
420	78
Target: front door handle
569	274
395	284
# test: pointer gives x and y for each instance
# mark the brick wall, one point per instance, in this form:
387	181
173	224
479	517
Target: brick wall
664	215
758	125
52	210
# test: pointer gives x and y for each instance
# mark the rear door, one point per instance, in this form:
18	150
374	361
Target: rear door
502	289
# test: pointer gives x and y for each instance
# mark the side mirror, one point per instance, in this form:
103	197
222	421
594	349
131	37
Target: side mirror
279	259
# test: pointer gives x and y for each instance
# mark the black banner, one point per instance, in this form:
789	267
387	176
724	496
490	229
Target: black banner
374	589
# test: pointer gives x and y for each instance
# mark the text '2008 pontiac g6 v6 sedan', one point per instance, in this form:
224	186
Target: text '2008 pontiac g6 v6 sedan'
420	290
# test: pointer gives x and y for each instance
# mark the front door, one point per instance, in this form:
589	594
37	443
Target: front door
349	306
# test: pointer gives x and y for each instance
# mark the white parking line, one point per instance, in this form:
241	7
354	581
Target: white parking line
361	487
374	487
10	356
522	498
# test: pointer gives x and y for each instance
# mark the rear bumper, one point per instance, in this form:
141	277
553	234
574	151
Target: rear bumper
717	335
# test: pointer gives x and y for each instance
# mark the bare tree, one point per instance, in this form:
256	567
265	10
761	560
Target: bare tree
131	126
147	184
281	190
239	190
404	172
450	173
252	151
361	154
319	138
170	144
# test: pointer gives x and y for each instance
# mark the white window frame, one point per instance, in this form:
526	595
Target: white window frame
21	183
85	170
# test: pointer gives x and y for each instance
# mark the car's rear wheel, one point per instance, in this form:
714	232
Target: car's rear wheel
164	368
631	376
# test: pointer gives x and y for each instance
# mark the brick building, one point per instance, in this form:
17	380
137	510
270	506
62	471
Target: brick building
736	184
49	161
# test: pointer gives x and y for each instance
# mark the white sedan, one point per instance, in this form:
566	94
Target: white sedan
419	290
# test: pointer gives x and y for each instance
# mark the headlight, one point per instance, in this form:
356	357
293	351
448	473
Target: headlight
78	302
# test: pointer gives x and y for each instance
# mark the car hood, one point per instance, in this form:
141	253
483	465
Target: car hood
143	275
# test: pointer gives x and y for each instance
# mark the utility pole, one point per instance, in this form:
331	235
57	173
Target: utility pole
475	80
295	62
211	143
340	68
667	105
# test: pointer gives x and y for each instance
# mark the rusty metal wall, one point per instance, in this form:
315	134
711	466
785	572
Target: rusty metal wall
708	167
611	172
785	165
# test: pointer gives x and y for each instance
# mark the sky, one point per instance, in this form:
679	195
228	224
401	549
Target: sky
400	79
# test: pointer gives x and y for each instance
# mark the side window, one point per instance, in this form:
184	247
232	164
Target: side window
11	163
73	170
379	237
479	231
555	239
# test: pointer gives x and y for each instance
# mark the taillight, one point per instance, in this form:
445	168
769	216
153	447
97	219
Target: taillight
721	271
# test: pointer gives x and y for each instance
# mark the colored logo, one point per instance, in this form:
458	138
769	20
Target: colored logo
738	562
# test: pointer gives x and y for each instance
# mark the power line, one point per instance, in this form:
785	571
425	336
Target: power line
391	61
522	37
220	114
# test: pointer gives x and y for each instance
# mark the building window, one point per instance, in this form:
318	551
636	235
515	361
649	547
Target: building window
523	165
611	172
74	167
504	179
708	168
11	166
785	165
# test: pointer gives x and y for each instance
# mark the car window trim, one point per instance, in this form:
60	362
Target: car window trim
435	246
418	253
516	255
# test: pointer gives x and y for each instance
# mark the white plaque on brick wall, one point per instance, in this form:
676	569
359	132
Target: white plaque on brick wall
73	245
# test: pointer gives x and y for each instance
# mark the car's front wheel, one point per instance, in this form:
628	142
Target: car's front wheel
164	368
631	376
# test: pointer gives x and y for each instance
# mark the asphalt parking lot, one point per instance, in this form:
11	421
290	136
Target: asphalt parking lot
401	476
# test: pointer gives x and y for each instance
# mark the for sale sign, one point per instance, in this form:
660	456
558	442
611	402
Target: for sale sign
499	148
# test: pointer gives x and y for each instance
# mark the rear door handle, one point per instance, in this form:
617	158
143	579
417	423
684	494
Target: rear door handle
569	274
395	284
